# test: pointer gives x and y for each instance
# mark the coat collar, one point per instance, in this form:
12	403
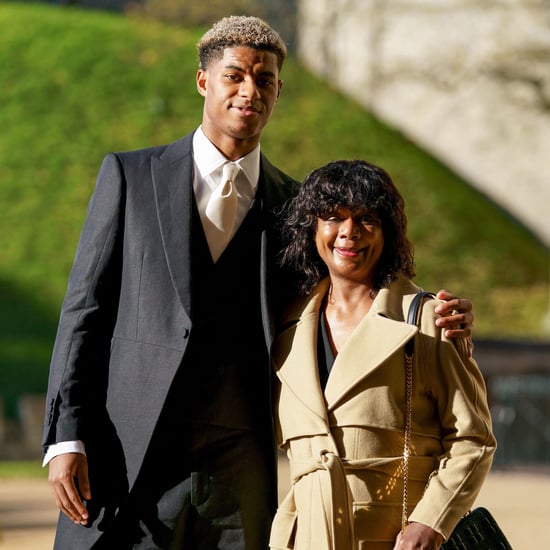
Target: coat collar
380	334
172	177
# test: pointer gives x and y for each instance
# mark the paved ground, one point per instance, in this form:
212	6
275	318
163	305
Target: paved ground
27	515
519	500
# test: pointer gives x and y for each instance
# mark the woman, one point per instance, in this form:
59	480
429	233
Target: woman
341	394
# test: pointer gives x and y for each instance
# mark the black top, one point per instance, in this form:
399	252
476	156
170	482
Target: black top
325	355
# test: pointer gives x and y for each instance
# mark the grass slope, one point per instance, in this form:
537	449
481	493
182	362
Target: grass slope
75	85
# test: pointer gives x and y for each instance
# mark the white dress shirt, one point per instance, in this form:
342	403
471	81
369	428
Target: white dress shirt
208	162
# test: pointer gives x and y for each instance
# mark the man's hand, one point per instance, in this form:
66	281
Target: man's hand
457	317
417	535
63	470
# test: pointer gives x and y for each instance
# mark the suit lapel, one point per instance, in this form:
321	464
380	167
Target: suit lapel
271	193
172	175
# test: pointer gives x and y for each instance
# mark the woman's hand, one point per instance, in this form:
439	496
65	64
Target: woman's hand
419	537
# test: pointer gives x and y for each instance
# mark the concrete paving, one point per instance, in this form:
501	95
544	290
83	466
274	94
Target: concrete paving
520	501
27	515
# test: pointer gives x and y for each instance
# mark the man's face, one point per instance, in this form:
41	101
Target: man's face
240	90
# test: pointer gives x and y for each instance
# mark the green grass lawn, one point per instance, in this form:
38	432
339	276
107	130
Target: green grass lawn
22	469
75	85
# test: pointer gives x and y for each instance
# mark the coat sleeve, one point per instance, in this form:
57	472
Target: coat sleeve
78	370
458	389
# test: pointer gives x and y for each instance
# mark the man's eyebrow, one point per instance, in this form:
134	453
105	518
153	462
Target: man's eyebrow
236	67
241	70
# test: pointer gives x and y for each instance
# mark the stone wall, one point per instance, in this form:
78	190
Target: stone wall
467	80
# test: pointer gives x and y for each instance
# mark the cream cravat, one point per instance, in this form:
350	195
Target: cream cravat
222	207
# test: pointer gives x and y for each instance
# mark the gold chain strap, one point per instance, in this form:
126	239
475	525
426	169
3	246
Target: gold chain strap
413	316
407	435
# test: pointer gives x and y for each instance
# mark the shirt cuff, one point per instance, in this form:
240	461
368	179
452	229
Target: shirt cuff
62	448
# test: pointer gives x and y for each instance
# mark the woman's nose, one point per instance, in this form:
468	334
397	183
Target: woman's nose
349	229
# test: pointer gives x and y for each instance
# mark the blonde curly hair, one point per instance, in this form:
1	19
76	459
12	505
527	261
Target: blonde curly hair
239	30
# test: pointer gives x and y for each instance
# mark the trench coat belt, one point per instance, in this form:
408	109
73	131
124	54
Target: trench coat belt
341	520
336	493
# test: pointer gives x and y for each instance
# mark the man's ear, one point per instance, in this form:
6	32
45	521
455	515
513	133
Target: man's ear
202	77
280	85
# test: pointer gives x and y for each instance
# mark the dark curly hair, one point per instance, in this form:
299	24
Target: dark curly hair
351	184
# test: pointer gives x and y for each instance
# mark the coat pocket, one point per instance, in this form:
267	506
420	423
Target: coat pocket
376	523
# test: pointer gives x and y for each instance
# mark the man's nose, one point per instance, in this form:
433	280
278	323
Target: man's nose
249	88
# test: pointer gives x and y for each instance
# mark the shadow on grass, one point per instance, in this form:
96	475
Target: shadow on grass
27	331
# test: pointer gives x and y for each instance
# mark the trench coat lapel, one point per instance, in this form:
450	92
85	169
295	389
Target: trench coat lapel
295	355
381	333
172	175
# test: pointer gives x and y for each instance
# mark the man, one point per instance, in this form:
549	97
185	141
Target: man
158	424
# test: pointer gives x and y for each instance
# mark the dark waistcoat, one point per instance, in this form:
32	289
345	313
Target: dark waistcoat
223	379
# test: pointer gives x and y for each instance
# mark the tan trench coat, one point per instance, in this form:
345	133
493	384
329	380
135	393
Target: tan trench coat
345	444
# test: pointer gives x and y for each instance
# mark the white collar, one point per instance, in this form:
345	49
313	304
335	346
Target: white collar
208	159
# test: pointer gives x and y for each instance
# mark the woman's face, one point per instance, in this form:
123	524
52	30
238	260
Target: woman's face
350	243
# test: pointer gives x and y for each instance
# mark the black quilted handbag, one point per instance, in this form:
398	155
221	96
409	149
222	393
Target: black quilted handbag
478	529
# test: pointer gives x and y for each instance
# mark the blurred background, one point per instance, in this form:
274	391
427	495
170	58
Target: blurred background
452	98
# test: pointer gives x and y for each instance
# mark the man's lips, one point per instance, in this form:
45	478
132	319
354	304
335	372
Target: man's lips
247	110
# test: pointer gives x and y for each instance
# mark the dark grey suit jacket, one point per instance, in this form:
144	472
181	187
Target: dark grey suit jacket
125	321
